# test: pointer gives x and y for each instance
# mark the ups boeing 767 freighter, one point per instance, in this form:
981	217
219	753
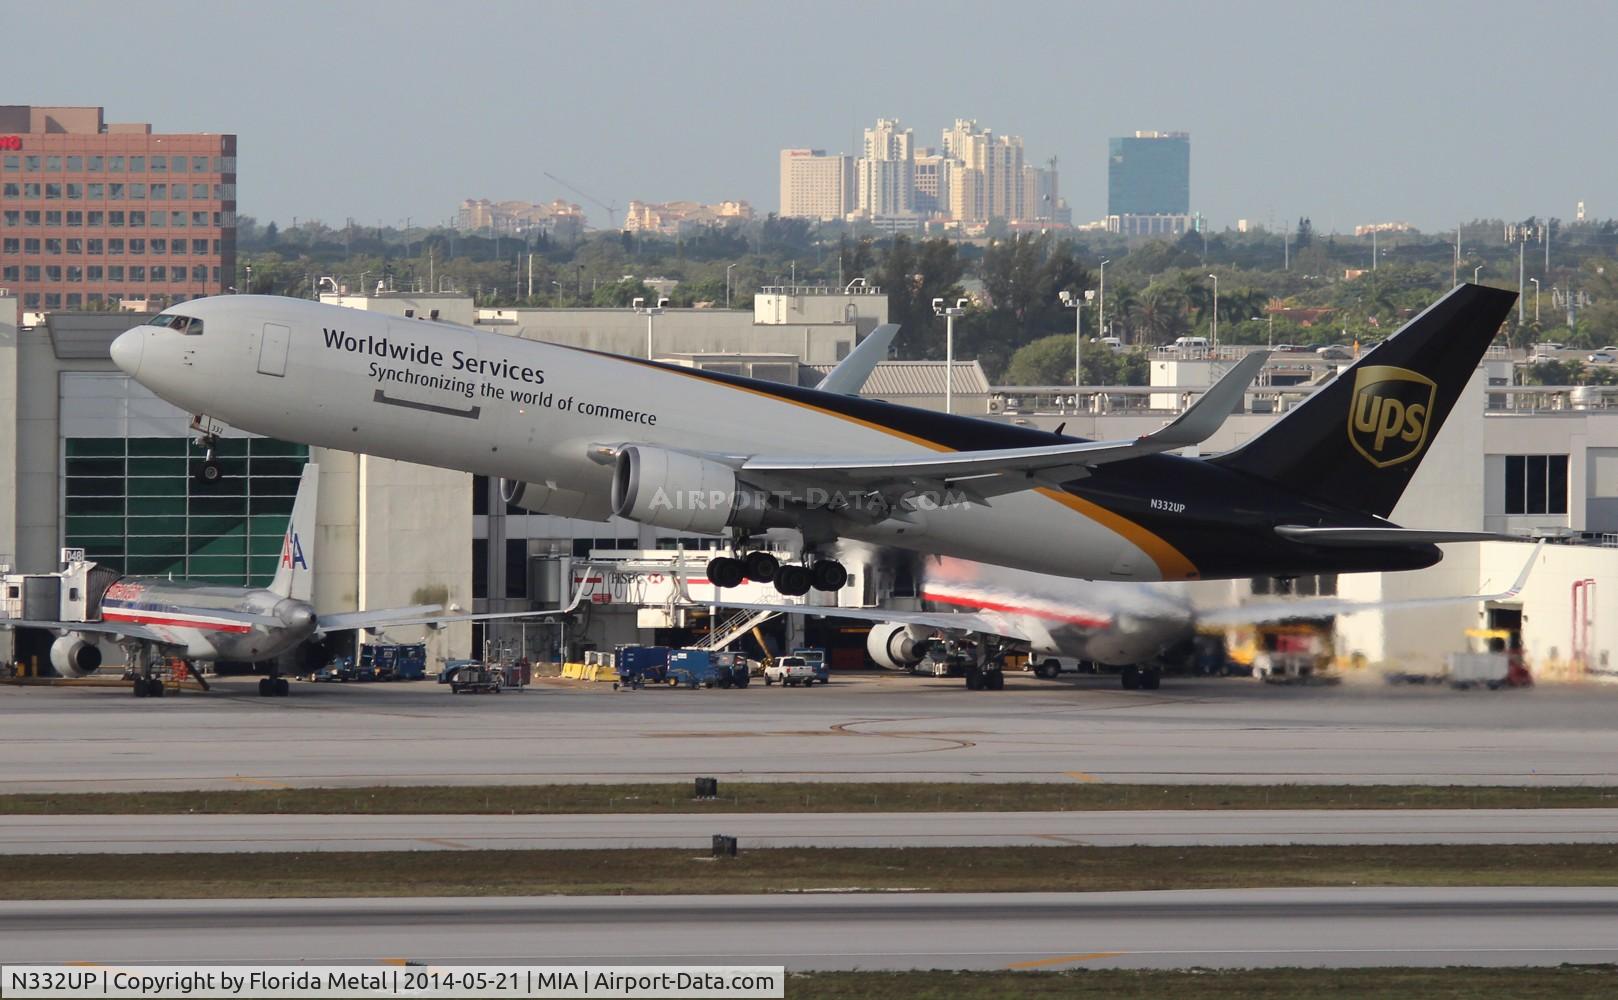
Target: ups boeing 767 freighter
585	434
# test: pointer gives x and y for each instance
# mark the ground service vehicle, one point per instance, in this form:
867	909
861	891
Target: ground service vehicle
476	678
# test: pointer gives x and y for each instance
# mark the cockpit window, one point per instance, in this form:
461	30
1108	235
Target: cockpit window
185	324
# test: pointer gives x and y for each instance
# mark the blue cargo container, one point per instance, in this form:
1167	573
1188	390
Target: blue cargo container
639	665
392	662
704	668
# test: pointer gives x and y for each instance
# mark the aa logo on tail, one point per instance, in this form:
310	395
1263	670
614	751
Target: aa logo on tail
1389	414
292	552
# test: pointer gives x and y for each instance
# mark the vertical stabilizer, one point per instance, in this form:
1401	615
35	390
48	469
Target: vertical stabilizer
295	574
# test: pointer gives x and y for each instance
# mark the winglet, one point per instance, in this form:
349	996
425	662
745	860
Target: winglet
1202	418
1522	578
851	373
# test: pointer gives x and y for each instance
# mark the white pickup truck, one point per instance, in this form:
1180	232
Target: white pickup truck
790	671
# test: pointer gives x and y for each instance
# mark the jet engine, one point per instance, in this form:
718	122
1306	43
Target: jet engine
542	498
672	489
73	657
896	646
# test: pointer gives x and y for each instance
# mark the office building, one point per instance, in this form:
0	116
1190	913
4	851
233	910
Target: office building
1149	173
95	213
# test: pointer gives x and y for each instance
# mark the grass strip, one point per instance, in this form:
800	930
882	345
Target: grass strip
737	796
1567	982
660	872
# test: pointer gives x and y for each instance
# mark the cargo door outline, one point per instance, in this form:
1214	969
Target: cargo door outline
272	350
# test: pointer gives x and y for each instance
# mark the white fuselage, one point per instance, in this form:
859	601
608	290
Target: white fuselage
501	406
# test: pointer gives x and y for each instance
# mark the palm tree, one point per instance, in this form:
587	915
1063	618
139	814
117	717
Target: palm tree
1162	313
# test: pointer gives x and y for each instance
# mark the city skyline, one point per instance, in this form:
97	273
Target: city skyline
1432	114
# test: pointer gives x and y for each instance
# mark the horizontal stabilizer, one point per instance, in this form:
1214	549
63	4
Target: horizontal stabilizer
1357	537
1327	607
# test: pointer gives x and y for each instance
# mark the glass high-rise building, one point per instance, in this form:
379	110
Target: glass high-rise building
1149	173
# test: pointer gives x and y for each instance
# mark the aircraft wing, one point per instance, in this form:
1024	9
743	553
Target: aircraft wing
948	621
115	630
1325	607
981	474
427	614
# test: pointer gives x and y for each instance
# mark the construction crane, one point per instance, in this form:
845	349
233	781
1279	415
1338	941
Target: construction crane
611	210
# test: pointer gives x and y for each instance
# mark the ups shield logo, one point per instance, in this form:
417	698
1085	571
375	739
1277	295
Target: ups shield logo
1388	416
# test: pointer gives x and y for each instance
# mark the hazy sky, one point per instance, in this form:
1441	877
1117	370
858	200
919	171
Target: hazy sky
1346	112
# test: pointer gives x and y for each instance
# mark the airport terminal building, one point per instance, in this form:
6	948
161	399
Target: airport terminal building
94	461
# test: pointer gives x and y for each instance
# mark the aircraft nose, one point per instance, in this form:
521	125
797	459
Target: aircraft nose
126	350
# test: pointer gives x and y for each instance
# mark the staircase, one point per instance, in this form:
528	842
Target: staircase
727	630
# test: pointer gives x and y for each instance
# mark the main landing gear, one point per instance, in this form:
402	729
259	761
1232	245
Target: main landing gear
1141	678
273	686
147	685
988	670
790	579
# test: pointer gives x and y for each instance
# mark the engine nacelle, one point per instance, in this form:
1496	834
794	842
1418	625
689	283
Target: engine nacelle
896	646
73	657
682	492
544	499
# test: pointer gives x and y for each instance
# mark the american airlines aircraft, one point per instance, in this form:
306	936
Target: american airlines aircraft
155	616
590	435
982	612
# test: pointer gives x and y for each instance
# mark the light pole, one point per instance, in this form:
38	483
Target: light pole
949	313
651	312
1101	303
727	284
1536	300
1475	272
1215	278
1272	328
1073	302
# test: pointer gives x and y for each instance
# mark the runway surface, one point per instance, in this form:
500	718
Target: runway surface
215	834
878	728
1224	928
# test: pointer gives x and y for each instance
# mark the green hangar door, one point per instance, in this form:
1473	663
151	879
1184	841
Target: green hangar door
272	350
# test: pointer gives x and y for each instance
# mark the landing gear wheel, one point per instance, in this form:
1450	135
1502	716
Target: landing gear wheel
793	581
1130	677
828	575
1150	680
140	687
281	687
994	680
974	679
208	471
724	571
264	690
761	567
154	688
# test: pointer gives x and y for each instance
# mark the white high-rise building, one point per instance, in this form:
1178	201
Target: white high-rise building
887	172
816	186
988	176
